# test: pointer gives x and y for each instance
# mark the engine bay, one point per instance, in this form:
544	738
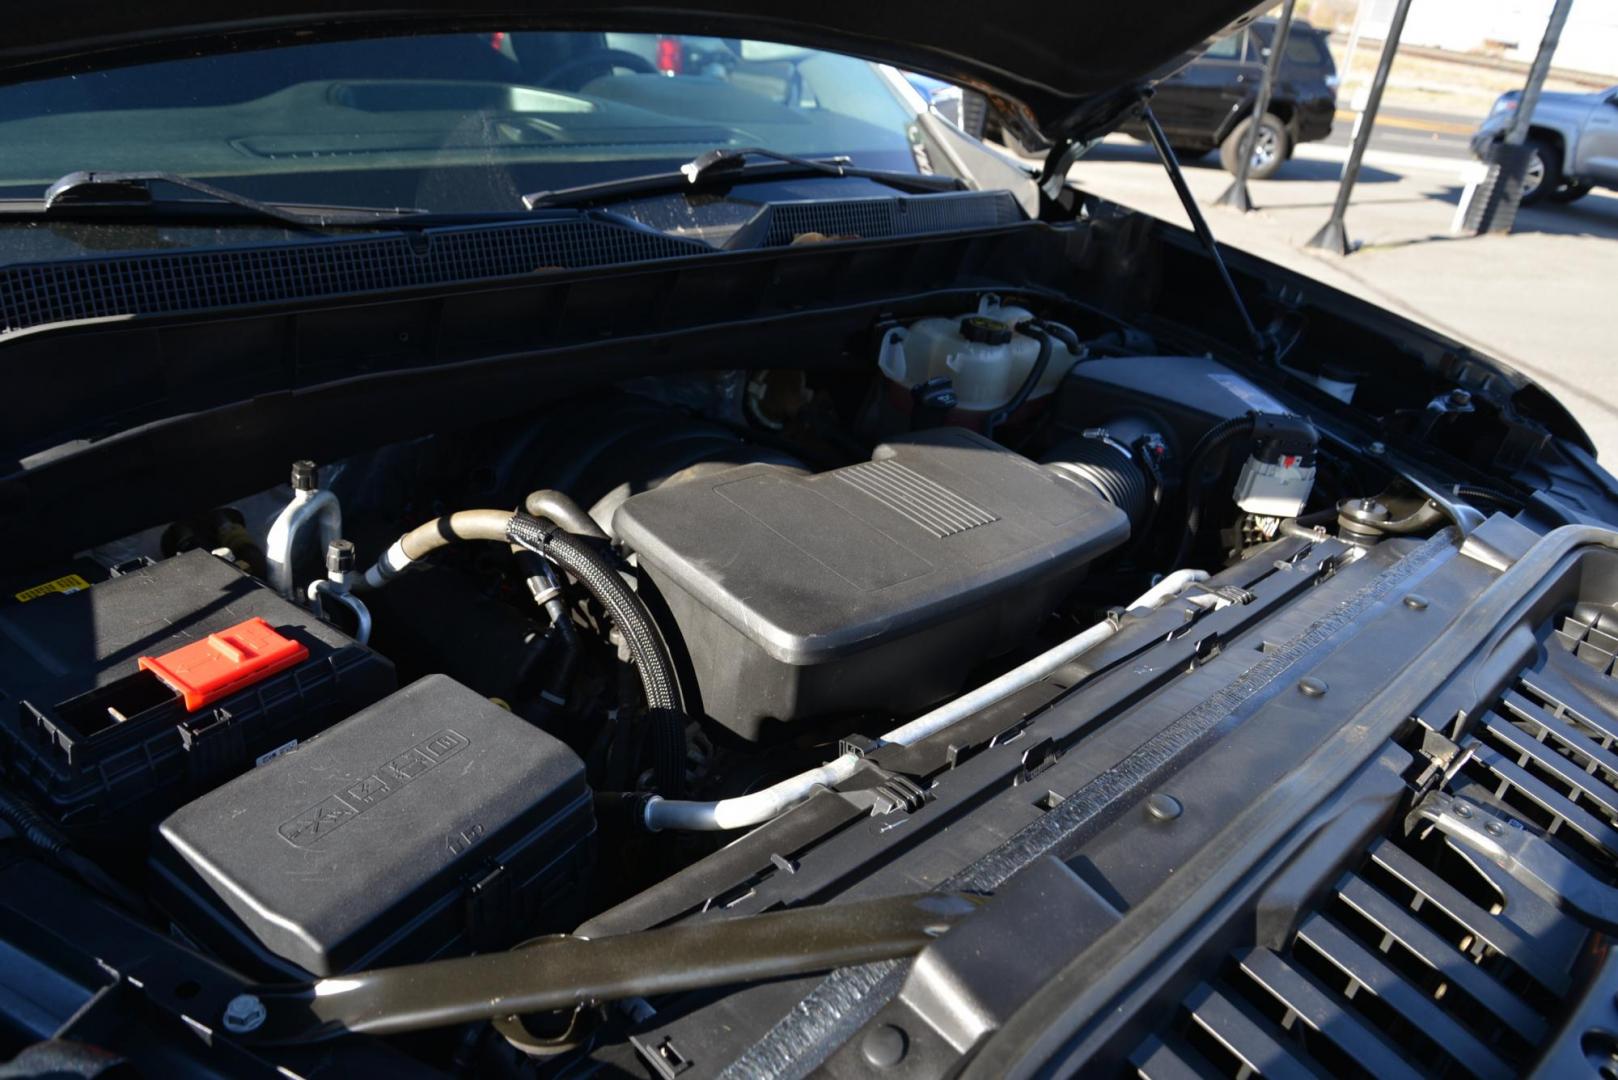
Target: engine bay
458	692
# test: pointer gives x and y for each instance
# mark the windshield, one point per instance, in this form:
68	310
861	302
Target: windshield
450	123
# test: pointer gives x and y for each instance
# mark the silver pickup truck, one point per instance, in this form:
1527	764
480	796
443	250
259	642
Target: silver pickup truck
1573	143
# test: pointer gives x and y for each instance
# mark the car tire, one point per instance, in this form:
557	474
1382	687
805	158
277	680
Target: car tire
1269	154
1542	174
1570	193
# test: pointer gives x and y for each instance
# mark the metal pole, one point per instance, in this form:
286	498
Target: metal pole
1333	236
1494	203
1236	195
1353	45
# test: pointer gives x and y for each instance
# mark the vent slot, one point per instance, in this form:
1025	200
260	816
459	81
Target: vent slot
918	499
1414	965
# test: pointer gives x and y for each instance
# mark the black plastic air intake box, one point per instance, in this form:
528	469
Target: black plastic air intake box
1179	397
94	737
874	587
432	823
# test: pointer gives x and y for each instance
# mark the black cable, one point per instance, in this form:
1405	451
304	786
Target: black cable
1477	492
667	736
1143	457
37	831
1211	442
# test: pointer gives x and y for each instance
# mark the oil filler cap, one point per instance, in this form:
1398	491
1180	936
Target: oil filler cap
225	661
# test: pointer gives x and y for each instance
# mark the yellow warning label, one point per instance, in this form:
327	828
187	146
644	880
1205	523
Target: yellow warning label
70	583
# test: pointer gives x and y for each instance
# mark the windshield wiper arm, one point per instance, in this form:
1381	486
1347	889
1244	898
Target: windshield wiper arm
726	165
123	191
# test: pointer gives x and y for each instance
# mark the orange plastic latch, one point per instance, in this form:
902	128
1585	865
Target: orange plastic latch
225	662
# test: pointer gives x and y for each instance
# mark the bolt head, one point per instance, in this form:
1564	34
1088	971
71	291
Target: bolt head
1310	686
1378	448
1494	828
1460	398
1164	807
884	1046
245	1013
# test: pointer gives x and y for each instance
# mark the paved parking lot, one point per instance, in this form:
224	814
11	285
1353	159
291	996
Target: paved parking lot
1541	299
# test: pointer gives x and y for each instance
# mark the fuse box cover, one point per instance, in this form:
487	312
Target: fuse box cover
386	840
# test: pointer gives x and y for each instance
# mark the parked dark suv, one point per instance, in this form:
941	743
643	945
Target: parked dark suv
1207	104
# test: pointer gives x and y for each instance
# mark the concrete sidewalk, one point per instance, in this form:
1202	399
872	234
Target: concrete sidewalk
1541	300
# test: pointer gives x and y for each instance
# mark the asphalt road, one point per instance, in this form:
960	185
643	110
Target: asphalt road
1411	131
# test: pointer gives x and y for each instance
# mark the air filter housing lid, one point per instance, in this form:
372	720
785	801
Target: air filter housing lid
868	587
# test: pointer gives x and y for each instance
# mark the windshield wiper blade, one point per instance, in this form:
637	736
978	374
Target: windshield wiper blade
132	191
726	165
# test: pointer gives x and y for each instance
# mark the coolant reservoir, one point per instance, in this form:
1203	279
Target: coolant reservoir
982	354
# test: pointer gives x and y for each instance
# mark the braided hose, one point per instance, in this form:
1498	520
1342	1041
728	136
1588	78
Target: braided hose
599	577
626	610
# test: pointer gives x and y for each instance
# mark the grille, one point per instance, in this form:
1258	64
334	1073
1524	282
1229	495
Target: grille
1423	961
1410	969
168	282
171	282
918	499
1546	748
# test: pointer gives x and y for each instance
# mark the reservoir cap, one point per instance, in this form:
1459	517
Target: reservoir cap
984	330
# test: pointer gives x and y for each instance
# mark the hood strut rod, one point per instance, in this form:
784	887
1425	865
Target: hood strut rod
1199	225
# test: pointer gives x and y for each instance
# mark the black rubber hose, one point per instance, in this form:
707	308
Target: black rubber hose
559	507
1064	334
1035	373
627	612
1212	441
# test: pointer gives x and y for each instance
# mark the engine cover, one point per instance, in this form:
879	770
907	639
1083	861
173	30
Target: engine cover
872	587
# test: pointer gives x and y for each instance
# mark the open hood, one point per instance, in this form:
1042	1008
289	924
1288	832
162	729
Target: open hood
1061	69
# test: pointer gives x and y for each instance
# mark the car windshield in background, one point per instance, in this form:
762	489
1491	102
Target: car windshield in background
452	123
